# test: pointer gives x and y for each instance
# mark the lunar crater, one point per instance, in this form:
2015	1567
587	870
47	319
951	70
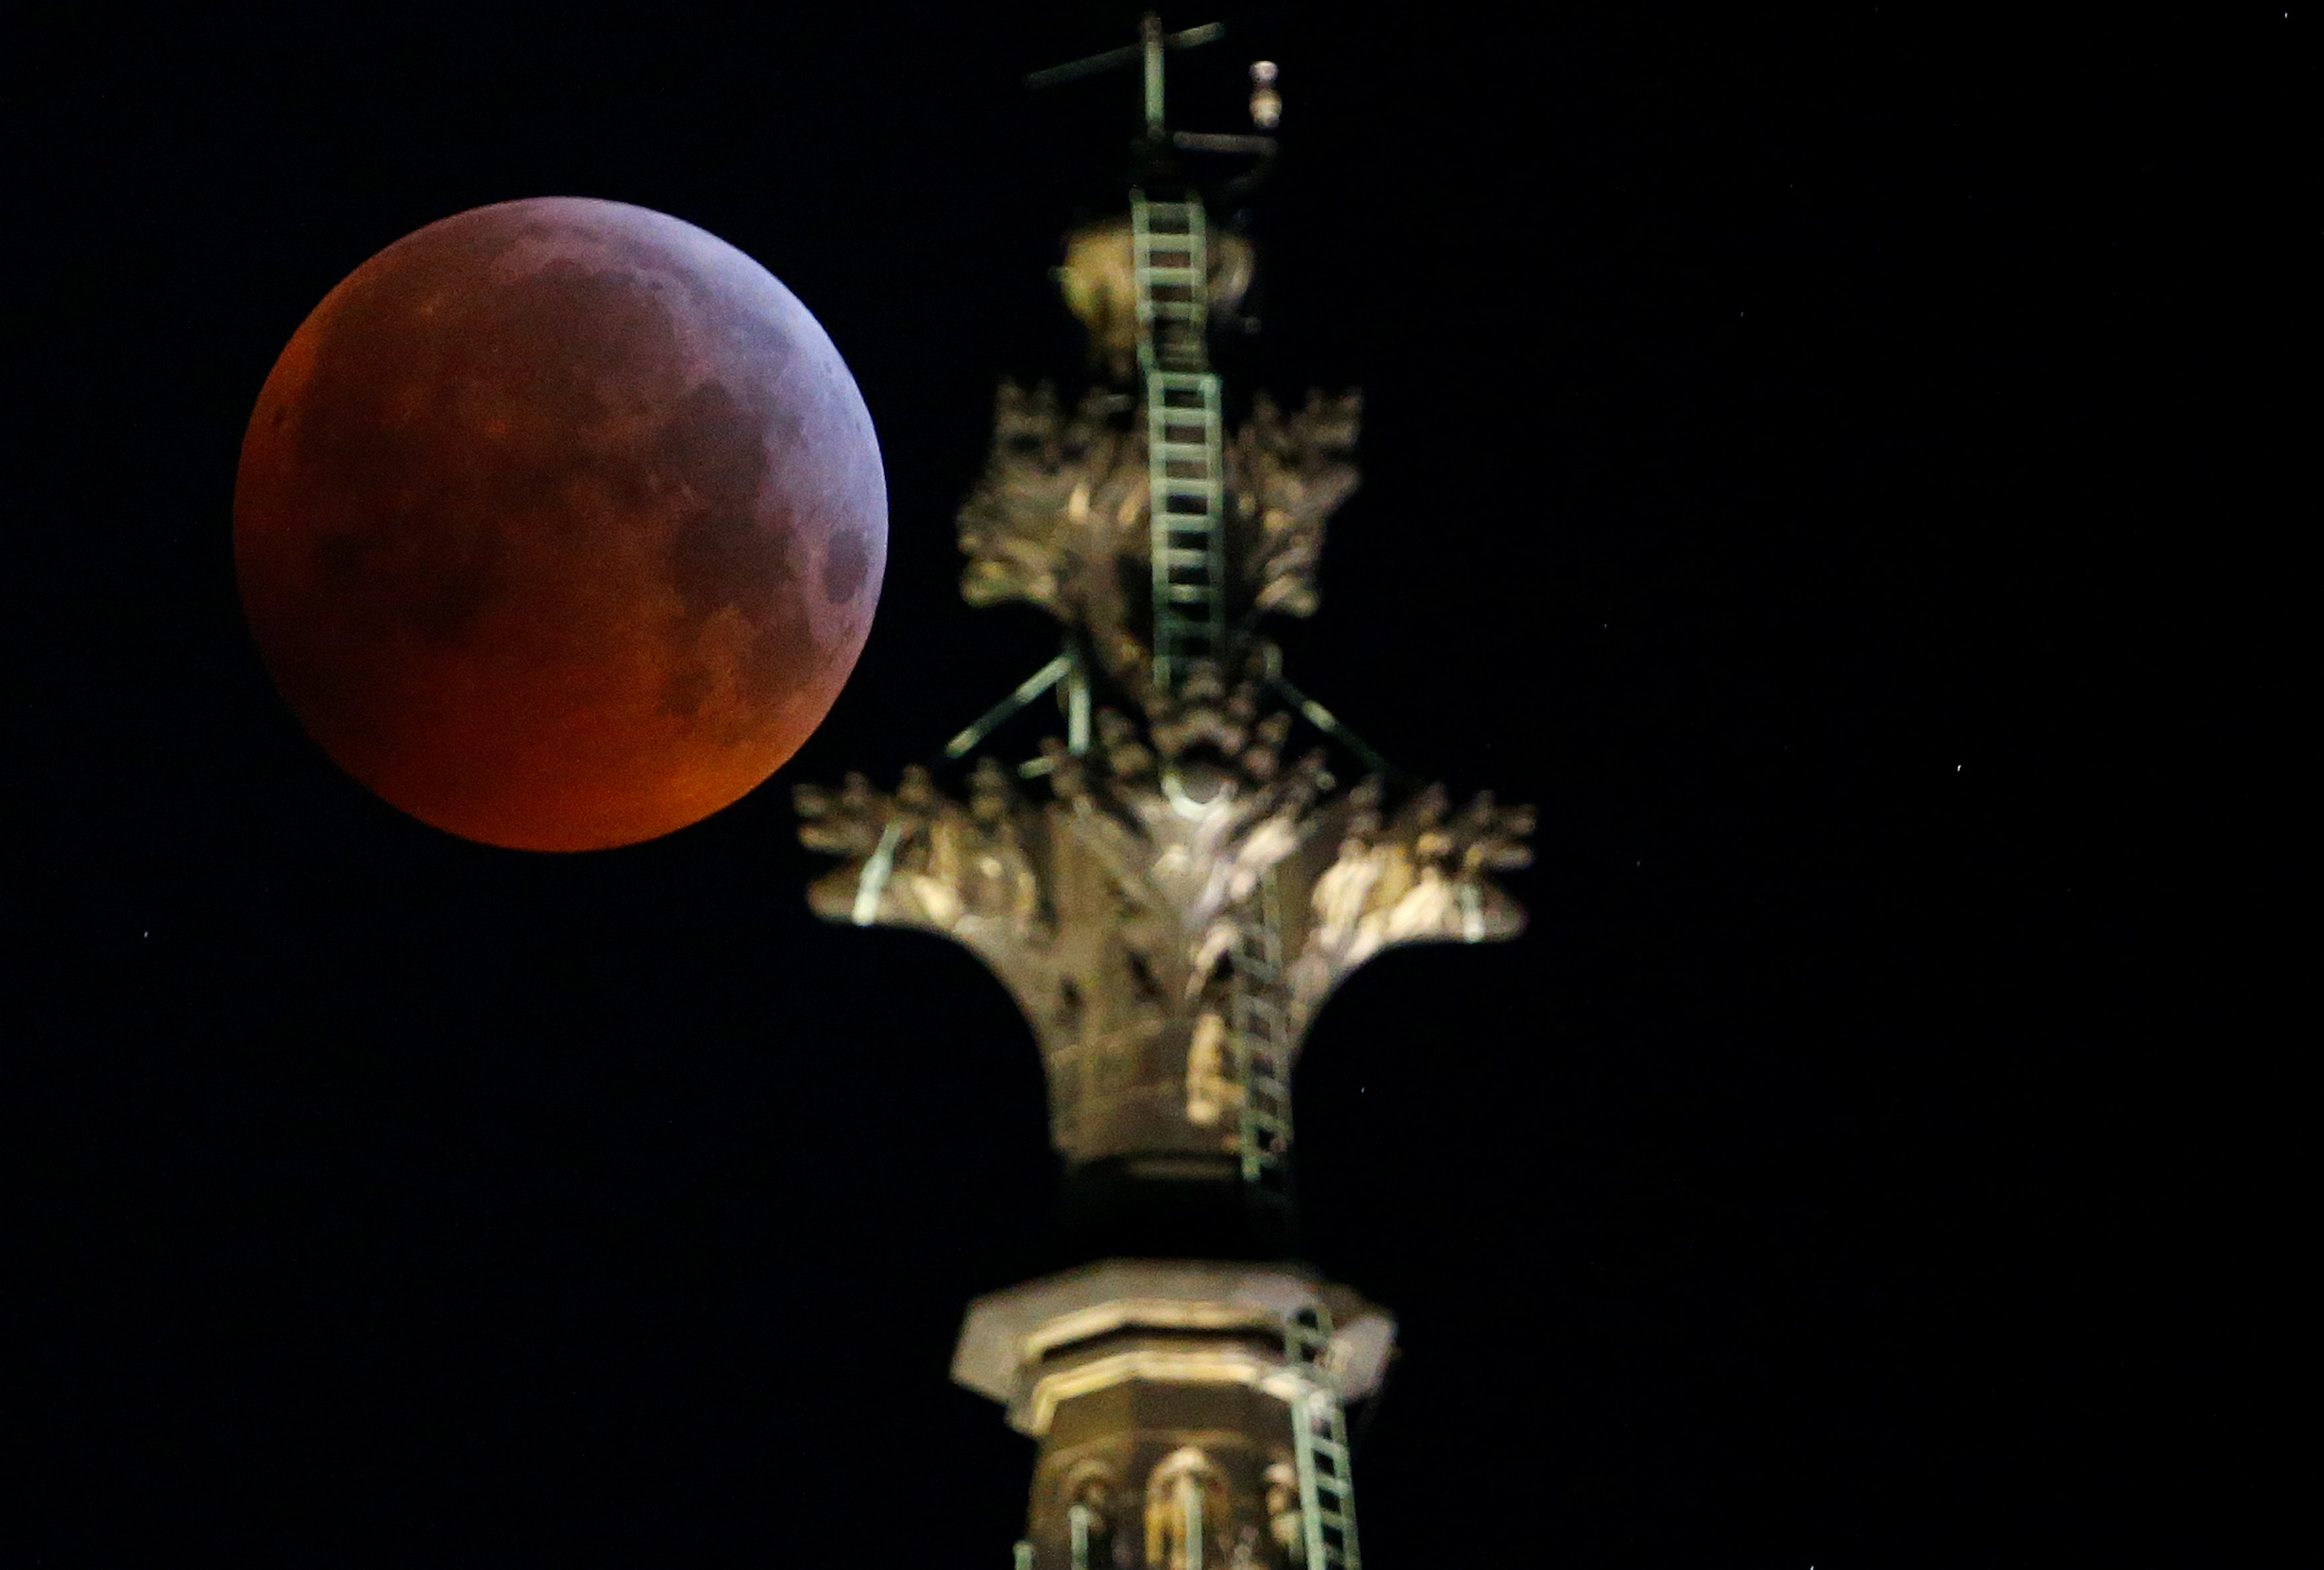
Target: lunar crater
845	568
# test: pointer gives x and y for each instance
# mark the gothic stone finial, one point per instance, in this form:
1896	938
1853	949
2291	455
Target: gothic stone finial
1060	518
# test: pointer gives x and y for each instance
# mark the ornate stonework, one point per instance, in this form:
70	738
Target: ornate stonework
1113	910
1142	1381
1172	902
1061	516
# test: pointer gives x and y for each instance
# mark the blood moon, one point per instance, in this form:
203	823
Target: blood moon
560	524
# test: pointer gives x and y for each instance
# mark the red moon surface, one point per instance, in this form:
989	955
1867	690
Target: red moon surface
560	524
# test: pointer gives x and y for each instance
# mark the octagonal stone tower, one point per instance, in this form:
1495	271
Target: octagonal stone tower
1186	1412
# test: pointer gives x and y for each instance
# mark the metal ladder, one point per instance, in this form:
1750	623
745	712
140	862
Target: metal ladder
1262	1041
1327	1494
1185	461
1170	259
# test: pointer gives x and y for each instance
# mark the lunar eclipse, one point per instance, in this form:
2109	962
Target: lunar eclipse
560	524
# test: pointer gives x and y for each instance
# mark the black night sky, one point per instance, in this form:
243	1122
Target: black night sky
1823	463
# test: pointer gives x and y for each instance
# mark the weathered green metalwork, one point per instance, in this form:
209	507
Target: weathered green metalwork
1263	1040
1327	1495
1184	460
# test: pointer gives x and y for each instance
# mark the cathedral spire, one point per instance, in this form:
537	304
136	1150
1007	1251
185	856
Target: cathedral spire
1170	890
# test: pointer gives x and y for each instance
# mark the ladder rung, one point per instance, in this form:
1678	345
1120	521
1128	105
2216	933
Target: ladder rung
1190	594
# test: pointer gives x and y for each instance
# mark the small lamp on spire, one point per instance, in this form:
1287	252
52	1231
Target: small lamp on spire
1266	102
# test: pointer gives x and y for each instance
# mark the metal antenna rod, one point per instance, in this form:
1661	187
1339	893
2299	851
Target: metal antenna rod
1150	32
1106	59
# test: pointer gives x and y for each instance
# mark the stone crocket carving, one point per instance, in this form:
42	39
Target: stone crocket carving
1060	518
1113	910
1178	901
